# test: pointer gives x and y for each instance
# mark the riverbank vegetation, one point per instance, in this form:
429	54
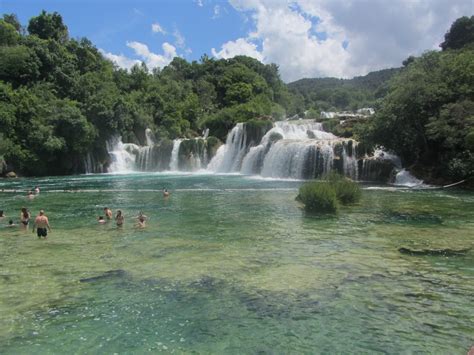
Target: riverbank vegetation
61	100
326	196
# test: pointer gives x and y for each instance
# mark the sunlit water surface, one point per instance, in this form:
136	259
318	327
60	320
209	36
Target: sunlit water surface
230	264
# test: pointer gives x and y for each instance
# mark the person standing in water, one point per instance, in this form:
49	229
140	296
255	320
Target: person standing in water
25	217
108	213
141	222
37	190
119	218
2	215
41	225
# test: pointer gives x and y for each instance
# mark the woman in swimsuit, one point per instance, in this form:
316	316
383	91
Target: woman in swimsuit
25	218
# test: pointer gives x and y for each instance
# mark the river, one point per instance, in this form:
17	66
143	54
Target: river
232	264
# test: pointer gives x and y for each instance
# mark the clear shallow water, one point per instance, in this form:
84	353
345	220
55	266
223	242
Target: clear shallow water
230	264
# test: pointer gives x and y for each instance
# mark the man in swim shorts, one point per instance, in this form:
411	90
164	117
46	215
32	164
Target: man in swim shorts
41	225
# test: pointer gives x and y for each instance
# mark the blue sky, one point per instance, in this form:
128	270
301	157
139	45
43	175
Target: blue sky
306	38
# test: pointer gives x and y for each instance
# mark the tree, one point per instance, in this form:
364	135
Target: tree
48	26
12	19
8	34
460	34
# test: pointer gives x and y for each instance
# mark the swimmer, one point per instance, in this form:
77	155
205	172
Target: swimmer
37	190
11	224
166	193
25	216
140	222
101	220
30	195
42	225
119	218
2	215
141	215
108	213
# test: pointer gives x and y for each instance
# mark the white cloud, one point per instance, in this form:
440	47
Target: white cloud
199	3
341	38
156	28
121	60
179	39
217	12
239	47
153	60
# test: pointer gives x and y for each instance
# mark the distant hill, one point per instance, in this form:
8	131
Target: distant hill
343	94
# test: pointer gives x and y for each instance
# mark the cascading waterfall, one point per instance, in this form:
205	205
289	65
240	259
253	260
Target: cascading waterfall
290	149
123	155
300	150
174	155
229	157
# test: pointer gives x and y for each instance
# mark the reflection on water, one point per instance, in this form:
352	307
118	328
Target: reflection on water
229	264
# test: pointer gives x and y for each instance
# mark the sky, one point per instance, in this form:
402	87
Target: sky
305	38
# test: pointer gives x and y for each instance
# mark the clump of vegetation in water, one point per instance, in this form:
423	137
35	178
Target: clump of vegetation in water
326	196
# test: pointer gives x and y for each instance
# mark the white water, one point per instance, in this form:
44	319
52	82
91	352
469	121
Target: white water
404	178
174	155
290	150
122	155
229	156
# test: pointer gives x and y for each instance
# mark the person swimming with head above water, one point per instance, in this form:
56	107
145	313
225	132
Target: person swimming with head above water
11	224
101	220
166	193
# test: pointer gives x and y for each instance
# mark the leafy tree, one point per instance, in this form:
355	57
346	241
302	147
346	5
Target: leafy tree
460	34
48	26
8	34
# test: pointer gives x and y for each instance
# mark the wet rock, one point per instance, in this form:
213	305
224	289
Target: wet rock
434	252
11	175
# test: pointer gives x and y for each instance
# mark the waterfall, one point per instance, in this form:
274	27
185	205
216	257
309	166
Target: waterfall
122	155
285	149
91	165
229	159
404	178
174	162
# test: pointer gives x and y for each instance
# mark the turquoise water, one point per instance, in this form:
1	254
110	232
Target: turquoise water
230	264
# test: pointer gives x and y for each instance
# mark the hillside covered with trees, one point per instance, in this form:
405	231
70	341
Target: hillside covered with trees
332	94
60	99
427	116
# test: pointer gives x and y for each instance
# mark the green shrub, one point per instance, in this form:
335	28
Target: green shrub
325	196
318	197
347	191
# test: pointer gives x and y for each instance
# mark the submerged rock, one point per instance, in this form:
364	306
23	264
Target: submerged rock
434	252
105	276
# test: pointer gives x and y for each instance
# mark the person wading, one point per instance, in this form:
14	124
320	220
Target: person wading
41	225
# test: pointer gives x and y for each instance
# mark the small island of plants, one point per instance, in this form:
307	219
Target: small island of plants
327	195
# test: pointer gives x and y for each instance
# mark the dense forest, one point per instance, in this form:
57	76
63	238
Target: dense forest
60	100
332	94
